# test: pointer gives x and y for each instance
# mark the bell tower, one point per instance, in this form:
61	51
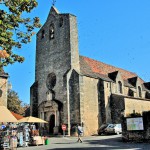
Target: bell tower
56	56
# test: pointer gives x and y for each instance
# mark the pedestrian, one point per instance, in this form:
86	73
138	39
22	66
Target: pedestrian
79	131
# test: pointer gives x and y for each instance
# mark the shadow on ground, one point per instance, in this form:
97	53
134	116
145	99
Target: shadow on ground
106	144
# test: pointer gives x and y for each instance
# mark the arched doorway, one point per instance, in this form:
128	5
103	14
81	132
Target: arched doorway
51	124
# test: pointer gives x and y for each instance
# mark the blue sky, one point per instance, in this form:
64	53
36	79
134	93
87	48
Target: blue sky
116	32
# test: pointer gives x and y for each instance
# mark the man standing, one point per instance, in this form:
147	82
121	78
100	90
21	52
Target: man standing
80	131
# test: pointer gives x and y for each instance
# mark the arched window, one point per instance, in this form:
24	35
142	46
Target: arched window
51	32
139	91
119	87
1	92
43	34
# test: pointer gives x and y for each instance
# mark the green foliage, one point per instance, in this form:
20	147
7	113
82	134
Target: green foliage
14	103
11	23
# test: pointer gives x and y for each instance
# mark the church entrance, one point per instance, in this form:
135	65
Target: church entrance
51	124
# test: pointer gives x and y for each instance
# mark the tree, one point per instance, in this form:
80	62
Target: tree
15	30
14	103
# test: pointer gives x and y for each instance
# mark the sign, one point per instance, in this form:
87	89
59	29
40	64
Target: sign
63	127
135	124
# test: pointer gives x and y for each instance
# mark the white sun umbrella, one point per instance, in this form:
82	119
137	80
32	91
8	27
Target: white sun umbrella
6	115
31	119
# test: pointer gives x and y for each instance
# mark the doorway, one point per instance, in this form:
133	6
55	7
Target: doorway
51	124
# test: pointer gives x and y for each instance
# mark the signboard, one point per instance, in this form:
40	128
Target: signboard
63	127
135	124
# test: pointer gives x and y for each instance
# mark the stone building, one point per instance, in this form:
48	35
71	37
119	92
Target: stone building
3	88
71	89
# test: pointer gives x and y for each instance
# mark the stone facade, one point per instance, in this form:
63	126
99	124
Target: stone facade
136	105
3	88
89	104
71	89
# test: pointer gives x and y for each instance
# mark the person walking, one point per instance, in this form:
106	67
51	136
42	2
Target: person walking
79	131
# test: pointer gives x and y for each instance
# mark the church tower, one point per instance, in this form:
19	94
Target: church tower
56	56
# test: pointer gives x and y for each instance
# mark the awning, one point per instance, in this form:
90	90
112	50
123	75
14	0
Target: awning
6	115
31	119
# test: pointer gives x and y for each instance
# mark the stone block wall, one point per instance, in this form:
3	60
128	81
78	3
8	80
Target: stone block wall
89	104
117	105
53	56
74	96
107	93
34	100
136	105
3	88
121	105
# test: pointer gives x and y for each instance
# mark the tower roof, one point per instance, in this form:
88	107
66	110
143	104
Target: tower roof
54	9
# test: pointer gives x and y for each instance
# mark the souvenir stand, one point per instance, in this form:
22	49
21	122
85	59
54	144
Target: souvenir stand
35	139
7	136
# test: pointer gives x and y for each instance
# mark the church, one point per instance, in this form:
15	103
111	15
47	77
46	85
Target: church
71	89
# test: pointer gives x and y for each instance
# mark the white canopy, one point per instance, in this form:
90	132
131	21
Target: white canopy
6	115
32	120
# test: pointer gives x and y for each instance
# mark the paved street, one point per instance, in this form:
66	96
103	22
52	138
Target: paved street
112	142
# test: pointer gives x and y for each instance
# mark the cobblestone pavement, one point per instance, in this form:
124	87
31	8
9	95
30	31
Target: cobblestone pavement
112	142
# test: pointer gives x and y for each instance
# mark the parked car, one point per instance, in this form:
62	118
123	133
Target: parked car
113	129
101	129
110	129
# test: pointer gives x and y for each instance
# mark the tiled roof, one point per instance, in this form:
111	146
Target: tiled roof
90	66
17	116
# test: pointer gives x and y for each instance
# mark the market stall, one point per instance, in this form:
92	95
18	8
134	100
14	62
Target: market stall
14	133
6	134
35	139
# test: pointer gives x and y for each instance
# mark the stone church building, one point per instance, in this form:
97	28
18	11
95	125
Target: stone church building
71	89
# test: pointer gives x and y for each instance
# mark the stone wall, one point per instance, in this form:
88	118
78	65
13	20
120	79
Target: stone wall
3	88
74	98
117	105
89	104
53	56
101	103
107	93
136	105
34	100
127	105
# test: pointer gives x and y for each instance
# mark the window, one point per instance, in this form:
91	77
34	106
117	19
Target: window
147	95
1	92
139	91
44	115
107	85
43	34
119	87
51	32
130	93
51	81
61	22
